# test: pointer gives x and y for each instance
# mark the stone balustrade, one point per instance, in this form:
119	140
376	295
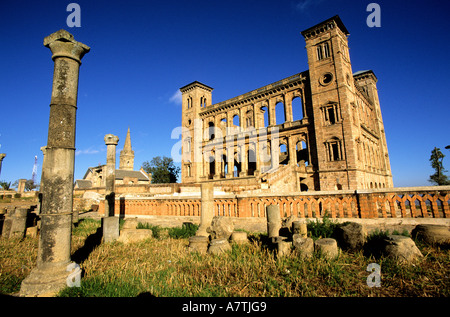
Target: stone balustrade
410	202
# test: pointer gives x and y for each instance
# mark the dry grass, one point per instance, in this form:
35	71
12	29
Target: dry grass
164	267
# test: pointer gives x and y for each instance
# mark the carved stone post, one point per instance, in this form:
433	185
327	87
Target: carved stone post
2	156
51	272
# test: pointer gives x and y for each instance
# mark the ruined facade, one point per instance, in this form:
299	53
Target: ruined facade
331	136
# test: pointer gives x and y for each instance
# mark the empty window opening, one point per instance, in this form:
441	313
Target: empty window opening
212	168
302	154
249	119
211	130
224	168
297	109
279	113
334	150
236	121
251	166
331	114
265	117
188	169
284	156
203	101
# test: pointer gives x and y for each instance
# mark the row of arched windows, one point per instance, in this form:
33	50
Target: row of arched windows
262	116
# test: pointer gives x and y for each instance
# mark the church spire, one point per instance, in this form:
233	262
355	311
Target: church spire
127	154
127	145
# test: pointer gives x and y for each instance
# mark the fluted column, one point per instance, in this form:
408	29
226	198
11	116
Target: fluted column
50	274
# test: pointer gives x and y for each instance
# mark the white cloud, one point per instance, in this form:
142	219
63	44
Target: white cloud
303	5
176	98
87	151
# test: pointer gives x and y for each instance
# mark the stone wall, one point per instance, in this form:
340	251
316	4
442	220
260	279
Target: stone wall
410	202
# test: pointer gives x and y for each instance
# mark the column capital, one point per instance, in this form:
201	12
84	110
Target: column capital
111	139
2	156
63	44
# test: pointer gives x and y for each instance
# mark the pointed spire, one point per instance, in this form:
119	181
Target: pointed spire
127	145
127	154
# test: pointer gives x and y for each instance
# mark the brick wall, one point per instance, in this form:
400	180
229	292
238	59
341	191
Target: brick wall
412	202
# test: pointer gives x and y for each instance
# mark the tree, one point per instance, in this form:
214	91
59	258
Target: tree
30	185
5	185
438	178
162	169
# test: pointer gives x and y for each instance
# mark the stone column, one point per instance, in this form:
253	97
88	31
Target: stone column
2	156
111	142
207	213
110	223
50	274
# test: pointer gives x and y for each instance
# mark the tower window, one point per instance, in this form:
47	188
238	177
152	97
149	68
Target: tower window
323	51
331	114
334	150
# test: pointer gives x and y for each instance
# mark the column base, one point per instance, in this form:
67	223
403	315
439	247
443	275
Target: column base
45	282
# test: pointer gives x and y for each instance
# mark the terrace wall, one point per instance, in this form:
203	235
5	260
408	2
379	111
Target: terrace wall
410	202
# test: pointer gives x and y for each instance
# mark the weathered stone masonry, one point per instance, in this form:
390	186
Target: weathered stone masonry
330	137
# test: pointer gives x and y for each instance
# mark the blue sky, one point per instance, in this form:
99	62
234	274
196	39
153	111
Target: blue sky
142	52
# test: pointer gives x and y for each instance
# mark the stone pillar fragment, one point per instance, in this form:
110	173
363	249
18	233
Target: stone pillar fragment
18	224
273	221
2	156
50	274
207	213
21	186
110	227
299	227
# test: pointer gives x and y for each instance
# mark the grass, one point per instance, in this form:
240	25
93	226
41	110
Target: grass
162	266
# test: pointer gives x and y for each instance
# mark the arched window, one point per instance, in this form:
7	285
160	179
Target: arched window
265	116
224	165
203	101
302	153
297	109
236	121
188	145
334	149
249	119
223	126
211	130
188	170
284	155
323	51
279	113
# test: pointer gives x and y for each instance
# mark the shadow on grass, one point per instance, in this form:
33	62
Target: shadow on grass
92	241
